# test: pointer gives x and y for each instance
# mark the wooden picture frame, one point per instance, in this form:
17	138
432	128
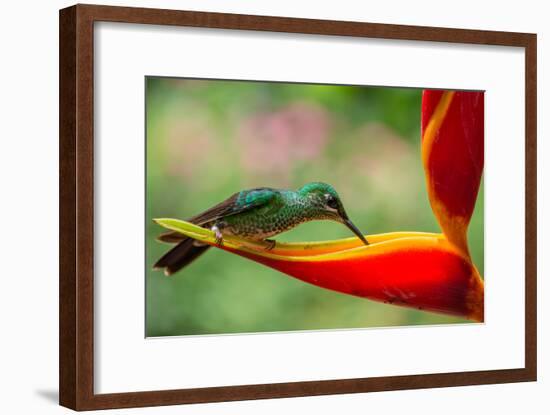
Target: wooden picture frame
76	279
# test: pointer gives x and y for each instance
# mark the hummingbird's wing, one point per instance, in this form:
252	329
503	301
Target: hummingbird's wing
238	203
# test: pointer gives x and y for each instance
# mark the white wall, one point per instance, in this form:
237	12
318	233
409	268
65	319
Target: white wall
28	172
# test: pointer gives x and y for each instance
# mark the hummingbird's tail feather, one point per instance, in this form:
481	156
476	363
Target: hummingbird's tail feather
185	252
171	237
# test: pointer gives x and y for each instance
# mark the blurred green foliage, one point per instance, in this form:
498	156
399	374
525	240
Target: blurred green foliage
209	139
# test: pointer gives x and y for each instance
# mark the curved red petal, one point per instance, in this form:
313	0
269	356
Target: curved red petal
422	273
452	150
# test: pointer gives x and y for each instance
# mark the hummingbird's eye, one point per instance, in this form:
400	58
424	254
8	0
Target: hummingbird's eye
331	202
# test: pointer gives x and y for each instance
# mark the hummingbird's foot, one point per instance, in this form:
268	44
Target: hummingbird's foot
272	243
218	234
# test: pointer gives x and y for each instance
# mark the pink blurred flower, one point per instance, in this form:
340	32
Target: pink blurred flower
272	142
187	144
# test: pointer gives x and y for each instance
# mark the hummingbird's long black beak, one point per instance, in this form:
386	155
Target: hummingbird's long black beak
354	229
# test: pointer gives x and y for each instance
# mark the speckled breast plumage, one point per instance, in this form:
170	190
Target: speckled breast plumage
271	220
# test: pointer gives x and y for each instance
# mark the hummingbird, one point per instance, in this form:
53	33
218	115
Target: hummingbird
256	214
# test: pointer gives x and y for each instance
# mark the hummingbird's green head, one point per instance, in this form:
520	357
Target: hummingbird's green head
327	201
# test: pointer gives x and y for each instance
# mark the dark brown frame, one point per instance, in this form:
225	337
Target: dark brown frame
76	336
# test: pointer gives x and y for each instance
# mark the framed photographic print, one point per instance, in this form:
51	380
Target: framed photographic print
257	207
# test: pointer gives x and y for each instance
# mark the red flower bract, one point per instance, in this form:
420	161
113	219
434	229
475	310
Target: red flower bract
452	152
423	272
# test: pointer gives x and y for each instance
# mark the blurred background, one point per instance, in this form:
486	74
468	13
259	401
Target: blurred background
207	139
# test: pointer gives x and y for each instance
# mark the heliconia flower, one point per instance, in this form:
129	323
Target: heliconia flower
427	271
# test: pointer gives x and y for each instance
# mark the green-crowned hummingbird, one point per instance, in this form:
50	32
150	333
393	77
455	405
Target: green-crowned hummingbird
256	214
